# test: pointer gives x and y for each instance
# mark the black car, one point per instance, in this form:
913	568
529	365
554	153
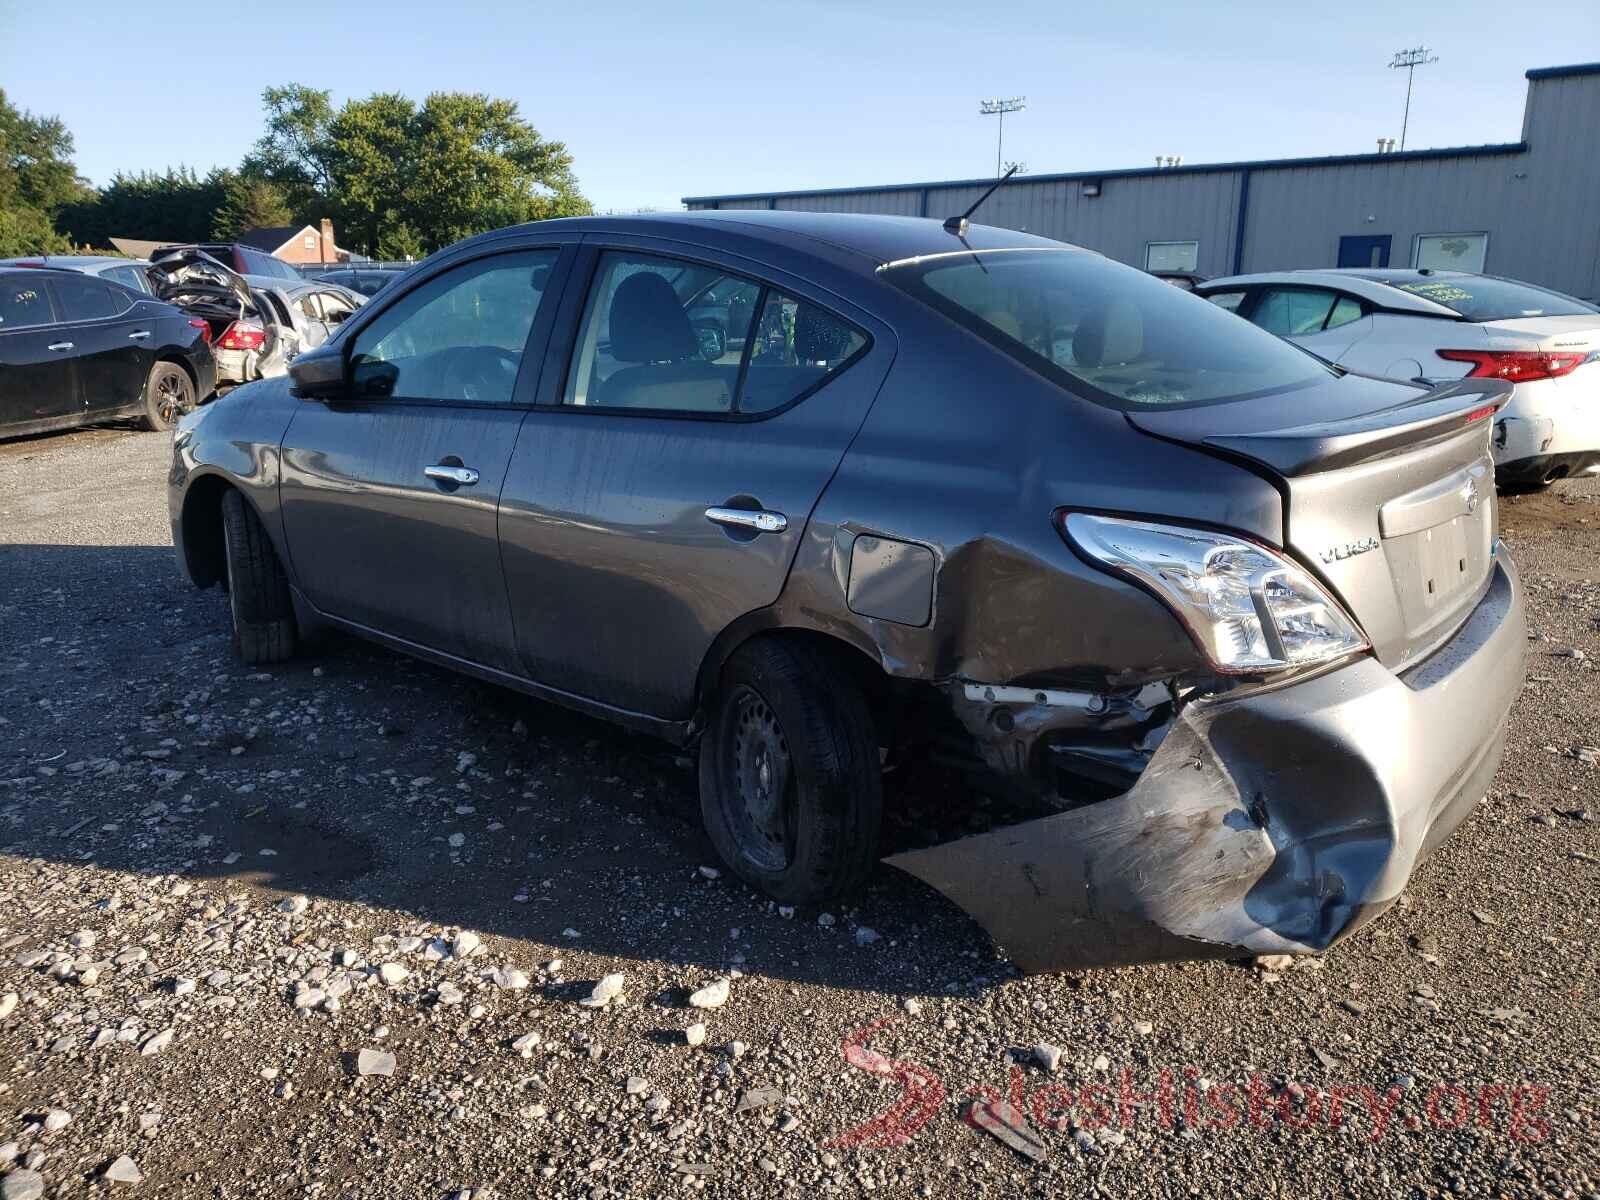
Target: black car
75	348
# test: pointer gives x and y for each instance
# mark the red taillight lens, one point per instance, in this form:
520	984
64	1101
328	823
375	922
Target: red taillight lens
204	327
243	335
1517	366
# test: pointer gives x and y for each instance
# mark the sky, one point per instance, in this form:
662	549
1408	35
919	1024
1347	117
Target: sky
664	100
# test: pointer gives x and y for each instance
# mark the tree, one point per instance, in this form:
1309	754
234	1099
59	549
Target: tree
293	152
397	176
246	203
176	205
37	178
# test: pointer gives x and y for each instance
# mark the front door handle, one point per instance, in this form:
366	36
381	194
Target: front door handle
755	520
58	347
138	335
456	476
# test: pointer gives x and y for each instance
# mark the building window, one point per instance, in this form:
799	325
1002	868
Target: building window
1171	256
1452	251
310	241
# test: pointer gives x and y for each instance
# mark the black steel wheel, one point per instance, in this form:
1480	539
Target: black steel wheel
790	783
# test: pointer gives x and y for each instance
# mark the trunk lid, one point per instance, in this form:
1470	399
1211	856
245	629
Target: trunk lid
194	281
1546	333
1388	493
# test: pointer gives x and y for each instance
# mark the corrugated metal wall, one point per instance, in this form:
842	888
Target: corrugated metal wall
1540	208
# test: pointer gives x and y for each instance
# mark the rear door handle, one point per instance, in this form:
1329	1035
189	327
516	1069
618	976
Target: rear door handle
138	335
756	520
58	346
459	476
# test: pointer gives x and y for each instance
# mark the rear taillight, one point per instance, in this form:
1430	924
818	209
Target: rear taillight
243	335
204	327
1517	366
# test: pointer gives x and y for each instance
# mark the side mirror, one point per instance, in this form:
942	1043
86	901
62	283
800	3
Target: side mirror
319	374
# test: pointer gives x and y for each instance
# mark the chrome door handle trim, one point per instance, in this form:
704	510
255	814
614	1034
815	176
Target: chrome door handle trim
461	476
138	335
58	346
743	518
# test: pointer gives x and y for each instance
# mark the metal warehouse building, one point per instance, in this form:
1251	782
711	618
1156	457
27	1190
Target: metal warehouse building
1528	209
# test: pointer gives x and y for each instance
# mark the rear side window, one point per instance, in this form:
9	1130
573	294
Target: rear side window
130	277
1345	310
1228	301
666	335
83	298
1105	331
1485	298
1290	311
23	304
459	337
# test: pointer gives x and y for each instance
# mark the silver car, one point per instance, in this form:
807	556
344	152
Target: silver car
1233	627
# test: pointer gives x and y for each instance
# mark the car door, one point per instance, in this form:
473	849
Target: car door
661	488
38	377
110	339
1324	321
389	493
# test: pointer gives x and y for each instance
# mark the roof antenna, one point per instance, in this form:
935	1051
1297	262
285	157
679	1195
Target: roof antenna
958	225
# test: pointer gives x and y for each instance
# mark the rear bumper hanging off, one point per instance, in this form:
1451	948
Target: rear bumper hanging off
1276	822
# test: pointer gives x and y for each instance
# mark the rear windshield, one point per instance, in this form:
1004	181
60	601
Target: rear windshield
1483	298
1117	335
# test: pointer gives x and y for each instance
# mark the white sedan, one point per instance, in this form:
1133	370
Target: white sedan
1435	326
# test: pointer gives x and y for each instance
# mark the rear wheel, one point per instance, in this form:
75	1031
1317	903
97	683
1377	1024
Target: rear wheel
168	395
790	784
258	590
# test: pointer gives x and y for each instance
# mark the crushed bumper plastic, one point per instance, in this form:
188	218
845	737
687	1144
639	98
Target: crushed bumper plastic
1276	822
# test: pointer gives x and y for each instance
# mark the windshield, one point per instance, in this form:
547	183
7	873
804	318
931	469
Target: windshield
1107	331
1484	298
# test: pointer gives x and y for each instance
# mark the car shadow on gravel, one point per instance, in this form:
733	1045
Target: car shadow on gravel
353	774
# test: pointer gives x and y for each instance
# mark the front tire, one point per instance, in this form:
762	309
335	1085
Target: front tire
168	395
791	789
258	590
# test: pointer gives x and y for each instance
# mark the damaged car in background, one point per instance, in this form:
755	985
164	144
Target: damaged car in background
257	324
1237	624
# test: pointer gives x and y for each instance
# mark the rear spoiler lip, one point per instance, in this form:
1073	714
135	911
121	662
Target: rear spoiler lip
1330	445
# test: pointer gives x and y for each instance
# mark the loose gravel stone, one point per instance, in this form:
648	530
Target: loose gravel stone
713	995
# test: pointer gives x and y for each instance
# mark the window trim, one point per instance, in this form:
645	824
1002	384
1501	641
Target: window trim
592	252
1482	268
1195	242
524	396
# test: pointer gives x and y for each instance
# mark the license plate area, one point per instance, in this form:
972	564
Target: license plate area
1438	541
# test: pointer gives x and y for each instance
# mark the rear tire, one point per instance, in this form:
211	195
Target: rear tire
258	589
168	395
791	789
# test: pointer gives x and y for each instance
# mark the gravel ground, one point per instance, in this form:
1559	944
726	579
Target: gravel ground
327	930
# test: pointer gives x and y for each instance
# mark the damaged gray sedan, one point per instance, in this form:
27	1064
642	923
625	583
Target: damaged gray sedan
812	492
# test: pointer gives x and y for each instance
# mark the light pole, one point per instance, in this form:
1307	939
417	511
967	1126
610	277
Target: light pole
1410	60
999	108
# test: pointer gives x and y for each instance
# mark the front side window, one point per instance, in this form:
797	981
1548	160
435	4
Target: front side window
1106	331
672	336
459	337
1291	311
85	299
23	304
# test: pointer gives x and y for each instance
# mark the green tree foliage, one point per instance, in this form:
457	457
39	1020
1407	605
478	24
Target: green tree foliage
394	174
246	203
37	179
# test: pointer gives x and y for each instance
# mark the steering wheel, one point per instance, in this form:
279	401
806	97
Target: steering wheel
490	371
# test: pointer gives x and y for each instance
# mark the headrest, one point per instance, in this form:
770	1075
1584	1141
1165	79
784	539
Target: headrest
1113	334
819	336
648	323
